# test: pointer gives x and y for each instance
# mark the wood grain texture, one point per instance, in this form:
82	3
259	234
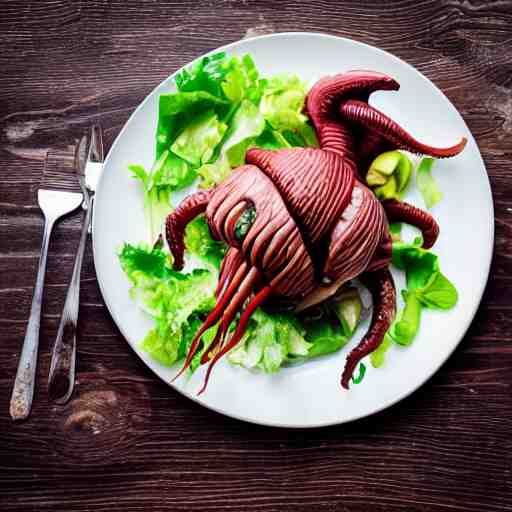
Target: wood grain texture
126	441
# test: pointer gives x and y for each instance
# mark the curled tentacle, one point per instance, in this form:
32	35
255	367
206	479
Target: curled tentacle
239	279
326	94
177	221
363	114
239	332
399	211
232	260
231	311
382	289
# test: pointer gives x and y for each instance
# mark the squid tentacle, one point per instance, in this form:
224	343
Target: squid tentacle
382	289
231	311
239	332
400	211
177	221
370	146
214	315
360	112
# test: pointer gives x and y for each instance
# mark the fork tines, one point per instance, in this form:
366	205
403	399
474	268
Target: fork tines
59	172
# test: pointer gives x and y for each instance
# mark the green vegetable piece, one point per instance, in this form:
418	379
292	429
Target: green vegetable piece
161	348
247	124
386	163
199	241
377	357
197	142
273	357
212	174
403	172
348	307
282	105
387	191
327	344
244	223
177	110
438	293
172	298
375	178
405	327
390	172
270	342
205	74
242	80
427	184
395	228
361	374
325	333
271	139
418	263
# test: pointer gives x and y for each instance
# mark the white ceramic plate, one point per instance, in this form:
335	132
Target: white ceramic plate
310	395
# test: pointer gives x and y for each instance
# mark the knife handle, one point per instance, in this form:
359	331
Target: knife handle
61	379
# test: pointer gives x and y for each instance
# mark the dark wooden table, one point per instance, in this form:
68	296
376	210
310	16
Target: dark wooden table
128	442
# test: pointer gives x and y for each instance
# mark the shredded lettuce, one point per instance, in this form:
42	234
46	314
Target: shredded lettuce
173	299
247	124
198	241
275	340
197	141
282	105
270	342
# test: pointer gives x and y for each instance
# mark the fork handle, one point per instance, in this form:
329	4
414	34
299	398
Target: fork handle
23	390
61	379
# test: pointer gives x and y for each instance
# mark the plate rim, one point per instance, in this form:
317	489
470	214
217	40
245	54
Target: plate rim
385	404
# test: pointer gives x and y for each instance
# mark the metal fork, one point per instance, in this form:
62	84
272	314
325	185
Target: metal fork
61	379
57	196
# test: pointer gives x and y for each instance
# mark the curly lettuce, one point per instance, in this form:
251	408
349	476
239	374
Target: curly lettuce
221	108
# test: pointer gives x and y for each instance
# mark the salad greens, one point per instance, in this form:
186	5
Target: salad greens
220	109
179	302
276	339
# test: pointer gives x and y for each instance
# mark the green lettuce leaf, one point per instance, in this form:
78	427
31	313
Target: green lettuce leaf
197	142
169	173
282	104
199	241
242	80
270	342
438	293
178	110
247	124
175	300
427	287
271	139
426	183
212	174
205	74
377	357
